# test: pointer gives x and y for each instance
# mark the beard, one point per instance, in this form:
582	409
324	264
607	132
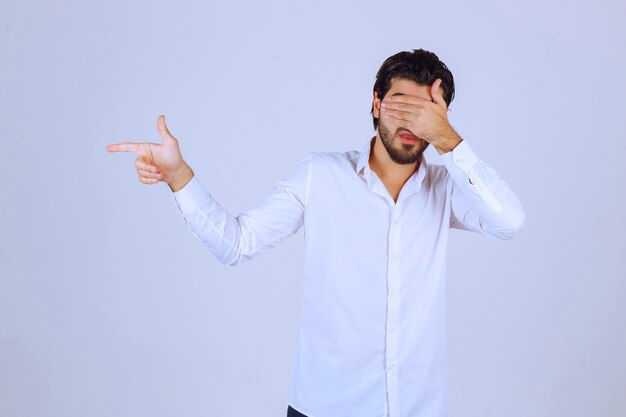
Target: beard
407	153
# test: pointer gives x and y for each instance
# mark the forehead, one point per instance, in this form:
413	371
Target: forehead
400	86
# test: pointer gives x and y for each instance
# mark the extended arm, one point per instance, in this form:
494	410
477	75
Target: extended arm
233	239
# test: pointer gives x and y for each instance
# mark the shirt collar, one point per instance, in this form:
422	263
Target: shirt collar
364	155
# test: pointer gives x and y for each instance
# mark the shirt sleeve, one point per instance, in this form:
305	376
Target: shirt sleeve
481	201
233	239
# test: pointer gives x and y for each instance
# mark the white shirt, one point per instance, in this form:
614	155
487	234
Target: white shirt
372	339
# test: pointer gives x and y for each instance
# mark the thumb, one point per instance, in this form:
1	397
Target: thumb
163	131
436	93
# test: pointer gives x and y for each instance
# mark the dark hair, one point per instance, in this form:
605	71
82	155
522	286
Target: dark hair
421	66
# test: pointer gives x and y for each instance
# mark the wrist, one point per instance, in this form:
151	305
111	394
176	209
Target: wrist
448	143
181	178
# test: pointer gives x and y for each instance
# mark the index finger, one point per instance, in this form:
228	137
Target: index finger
123	147
405	98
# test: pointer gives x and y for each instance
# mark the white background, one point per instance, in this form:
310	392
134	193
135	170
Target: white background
110	307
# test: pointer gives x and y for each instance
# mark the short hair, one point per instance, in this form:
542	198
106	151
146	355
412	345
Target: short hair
419	65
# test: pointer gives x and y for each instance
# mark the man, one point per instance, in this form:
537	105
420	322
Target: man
372	337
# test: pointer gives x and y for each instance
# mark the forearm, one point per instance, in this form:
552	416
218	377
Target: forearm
482	201
209	221
234	239
488	205
447	141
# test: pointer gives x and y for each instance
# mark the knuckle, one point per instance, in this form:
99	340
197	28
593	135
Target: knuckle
146	174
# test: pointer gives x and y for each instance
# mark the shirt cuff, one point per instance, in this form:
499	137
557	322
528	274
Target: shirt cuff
462	157
191	196
463	165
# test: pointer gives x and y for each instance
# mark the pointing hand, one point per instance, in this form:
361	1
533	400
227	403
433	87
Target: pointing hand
158	162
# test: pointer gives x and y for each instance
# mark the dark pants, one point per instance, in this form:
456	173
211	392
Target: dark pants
292	412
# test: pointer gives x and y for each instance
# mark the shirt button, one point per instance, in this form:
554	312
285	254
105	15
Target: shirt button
393	328
460	160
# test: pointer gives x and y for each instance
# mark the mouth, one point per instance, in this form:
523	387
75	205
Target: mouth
408	137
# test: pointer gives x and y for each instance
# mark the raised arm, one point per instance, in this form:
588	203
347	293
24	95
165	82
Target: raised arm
481	201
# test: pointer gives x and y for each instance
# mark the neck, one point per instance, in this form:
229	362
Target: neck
386	169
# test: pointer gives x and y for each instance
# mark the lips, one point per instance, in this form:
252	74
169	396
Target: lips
408	135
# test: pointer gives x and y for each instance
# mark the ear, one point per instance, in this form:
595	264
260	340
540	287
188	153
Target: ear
376	104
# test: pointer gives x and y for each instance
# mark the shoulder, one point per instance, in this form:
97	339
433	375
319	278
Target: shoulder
330	159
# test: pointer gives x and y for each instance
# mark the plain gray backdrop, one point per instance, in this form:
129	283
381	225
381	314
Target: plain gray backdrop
110	307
